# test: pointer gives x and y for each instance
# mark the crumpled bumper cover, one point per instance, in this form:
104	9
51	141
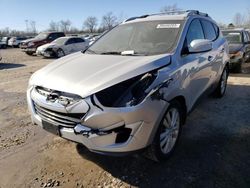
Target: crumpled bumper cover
100	127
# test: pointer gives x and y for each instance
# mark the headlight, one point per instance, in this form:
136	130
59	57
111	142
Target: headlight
31	44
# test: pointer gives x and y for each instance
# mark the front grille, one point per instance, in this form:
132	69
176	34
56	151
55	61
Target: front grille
58	118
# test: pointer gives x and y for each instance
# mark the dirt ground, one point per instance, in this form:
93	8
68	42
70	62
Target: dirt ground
214	149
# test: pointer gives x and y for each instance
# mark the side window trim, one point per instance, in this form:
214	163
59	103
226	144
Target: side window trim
216	31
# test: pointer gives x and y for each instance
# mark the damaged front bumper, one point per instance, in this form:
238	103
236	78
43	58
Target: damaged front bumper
101	129
46	53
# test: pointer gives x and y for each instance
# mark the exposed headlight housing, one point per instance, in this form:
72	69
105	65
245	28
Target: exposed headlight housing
127	93
30	44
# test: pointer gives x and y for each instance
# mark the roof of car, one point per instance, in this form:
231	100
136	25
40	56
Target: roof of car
68	37
171	15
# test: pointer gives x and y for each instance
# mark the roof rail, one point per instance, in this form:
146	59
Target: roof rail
178	12
196	12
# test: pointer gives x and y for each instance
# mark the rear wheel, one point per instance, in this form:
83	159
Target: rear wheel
60	53
167	134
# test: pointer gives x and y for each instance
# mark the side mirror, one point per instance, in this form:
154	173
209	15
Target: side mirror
200	45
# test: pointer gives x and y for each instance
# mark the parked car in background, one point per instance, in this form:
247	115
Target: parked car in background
15	41
133	88
4	42
239	47
30	46
92	40
62	46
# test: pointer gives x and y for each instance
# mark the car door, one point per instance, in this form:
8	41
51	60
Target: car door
215	56
70	46
80	44
197	64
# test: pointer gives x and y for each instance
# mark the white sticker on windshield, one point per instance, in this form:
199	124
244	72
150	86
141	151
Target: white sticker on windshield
167	26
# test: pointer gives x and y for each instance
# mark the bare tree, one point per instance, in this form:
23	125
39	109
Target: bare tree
90	23
109	20
53	26
33	26
247	21
238	19
222	25
170	8
65	25
121	17
74	30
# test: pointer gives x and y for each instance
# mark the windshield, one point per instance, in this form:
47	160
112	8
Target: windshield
232	36
60	41
41	36
142	38
4	39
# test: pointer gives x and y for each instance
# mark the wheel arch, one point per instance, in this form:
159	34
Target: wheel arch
182	101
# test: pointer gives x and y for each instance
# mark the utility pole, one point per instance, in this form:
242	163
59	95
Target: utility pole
27	26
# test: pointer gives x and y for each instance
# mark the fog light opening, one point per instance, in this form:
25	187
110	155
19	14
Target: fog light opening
122	135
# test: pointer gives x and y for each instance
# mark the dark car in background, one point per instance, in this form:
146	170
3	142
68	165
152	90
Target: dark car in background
239	47
30	46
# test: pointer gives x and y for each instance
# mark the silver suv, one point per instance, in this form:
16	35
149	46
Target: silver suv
133	88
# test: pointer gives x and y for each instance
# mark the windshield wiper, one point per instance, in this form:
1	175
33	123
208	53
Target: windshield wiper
111	53
132	53
88	50
124	53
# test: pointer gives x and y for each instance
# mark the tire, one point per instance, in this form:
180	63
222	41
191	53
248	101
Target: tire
238	68
29	53
60	53
222	86
167	135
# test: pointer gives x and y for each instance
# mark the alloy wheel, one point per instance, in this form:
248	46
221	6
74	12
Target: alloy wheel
170	130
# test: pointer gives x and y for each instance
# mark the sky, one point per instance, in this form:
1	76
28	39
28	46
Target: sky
13	13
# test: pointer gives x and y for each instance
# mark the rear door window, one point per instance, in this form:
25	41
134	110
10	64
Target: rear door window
246	39
78	40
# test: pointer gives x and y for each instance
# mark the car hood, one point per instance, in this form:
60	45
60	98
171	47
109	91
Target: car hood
85	74
32	40
45	46
233	48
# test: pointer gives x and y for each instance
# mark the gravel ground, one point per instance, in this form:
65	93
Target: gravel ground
214	149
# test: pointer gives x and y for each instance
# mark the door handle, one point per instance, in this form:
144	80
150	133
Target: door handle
210	58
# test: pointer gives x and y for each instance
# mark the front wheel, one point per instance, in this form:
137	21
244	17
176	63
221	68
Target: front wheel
167	134
60	53
222	86
29	53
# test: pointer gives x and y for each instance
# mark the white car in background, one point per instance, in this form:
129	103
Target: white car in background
62	46
16	41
